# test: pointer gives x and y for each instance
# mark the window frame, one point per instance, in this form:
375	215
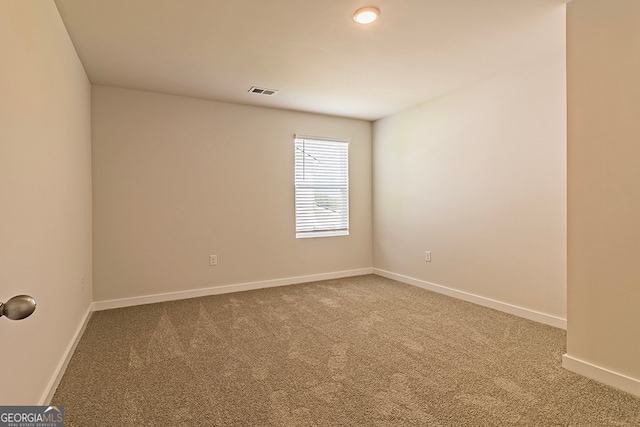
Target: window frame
337	171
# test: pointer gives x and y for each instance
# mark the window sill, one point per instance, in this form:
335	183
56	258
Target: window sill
314	234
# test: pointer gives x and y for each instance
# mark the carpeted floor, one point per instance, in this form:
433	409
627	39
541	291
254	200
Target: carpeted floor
361	351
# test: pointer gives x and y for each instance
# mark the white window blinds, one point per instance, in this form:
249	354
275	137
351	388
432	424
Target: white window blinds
322	187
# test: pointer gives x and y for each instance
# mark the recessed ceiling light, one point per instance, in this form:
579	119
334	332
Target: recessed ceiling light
366	15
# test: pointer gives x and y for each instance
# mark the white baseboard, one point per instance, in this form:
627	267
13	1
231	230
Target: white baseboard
600	374
526	313
217	290
62	366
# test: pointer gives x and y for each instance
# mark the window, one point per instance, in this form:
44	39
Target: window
322	187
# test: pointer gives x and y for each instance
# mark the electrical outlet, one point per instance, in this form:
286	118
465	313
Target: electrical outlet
213	260
427	256
82	283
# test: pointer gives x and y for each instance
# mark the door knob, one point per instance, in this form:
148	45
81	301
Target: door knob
18	307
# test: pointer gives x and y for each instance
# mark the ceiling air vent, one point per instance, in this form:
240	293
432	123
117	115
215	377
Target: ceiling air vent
262	91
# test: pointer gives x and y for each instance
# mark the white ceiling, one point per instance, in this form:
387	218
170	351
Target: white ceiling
312	51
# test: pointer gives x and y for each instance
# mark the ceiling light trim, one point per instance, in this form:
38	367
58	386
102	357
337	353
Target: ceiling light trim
366	15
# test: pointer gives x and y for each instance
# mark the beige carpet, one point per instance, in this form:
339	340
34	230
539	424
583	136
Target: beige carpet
362	351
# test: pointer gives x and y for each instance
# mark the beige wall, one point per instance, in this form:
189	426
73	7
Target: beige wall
603	65
45	194
177	179
478	178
